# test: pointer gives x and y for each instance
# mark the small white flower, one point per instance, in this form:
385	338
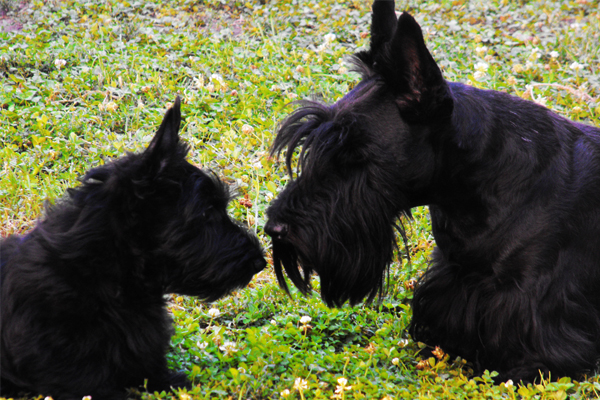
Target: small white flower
576	66
300	384
59	63
305	320
342	381
229	348
214	312
242	370
285	393
273	322
201	345
247	129
330	37
554	54
481	66
395	361
86	398
48	398
481	50
508	383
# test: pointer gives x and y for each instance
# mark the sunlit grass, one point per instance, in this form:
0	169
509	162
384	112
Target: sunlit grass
84	82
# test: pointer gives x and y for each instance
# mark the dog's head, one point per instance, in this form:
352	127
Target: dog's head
171	219
363	162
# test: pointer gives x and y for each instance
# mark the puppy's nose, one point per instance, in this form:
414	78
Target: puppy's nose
259	264
276	230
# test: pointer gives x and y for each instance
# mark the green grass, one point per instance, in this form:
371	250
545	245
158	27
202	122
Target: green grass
85	81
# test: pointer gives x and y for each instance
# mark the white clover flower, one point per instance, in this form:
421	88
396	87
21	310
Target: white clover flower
342	381
269	196
481	50
330	37
395	361
554	54
229	348
48	398
210	87
576	66
247	129
214	312
285	393
59	63
403	343
273	322
86	398
202	345
478	75
508	383
305	320
300	384
481	66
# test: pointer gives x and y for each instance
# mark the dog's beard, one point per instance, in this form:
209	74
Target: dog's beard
285	257
348	270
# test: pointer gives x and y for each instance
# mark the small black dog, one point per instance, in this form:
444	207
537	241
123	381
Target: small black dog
514	196
82	303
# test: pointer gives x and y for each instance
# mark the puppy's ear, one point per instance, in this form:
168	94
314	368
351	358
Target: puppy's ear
408	67
165	143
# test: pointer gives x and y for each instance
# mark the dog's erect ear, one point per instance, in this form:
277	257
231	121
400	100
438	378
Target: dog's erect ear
383	24
408	67
166	140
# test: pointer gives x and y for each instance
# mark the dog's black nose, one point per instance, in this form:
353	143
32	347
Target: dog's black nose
259	264
276	230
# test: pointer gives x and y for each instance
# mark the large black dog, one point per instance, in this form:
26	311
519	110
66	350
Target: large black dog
513	191
82	306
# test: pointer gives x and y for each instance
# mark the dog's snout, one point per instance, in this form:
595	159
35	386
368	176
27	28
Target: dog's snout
259	264
276	230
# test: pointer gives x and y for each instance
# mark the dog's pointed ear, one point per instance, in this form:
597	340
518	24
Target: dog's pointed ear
166	140
408	67
383	23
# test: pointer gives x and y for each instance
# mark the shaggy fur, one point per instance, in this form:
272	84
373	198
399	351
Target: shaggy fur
513	191
82	306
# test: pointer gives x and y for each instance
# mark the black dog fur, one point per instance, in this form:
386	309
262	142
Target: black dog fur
82	306
514	196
